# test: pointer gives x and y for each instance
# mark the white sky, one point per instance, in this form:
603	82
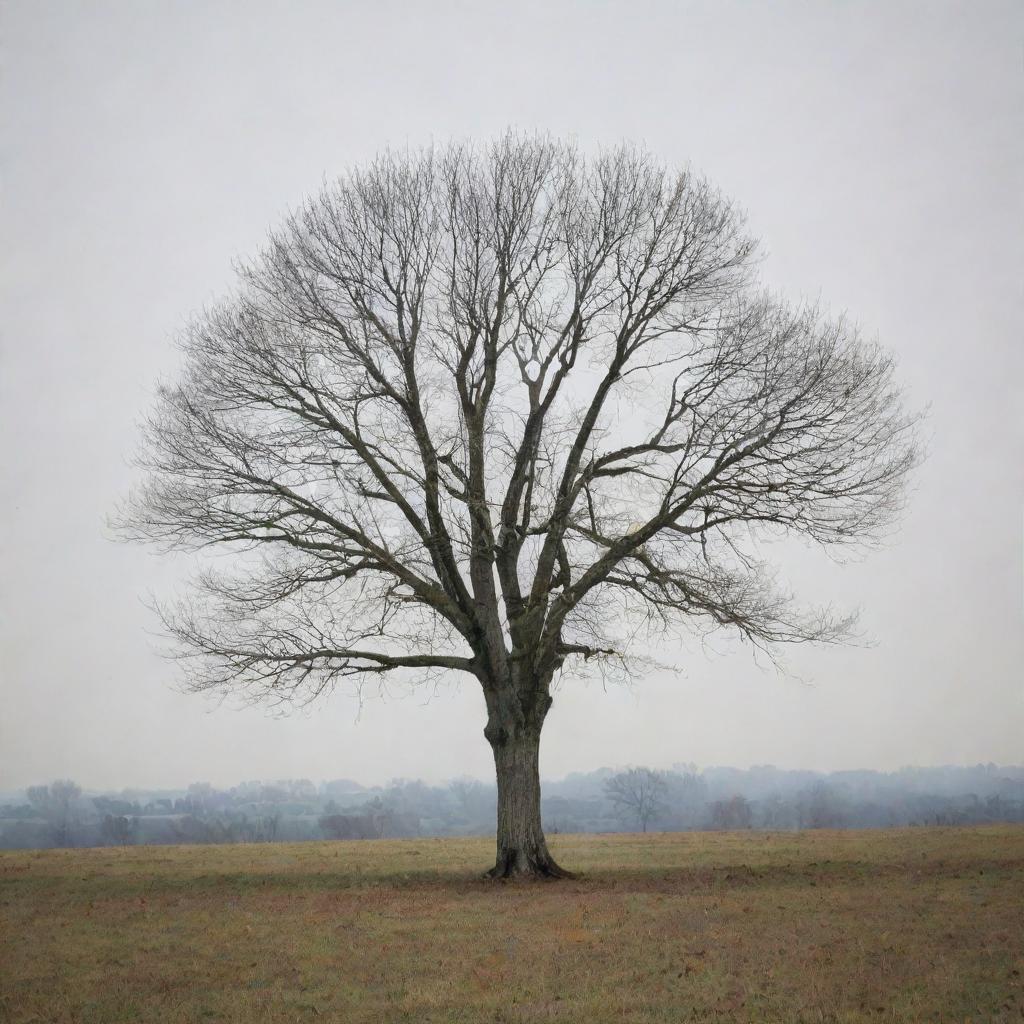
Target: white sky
878	149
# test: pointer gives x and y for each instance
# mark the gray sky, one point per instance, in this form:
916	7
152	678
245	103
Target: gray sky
878	149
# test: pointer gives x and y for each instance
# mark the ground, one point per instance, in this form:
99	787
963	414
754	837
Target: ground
901	925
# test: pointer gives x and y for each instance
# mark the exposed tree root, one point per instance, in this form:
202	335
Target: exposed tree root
516	864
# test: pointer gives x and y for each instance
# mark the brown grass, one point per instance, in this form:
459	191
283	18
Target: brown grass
902	925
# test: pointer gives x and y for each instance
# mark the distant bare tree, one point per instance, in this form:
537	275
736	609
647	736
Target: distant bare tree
638	793
118	829
271	826
200	797
58	804
370	825
819	807
734	813
687	796
475	799
492	412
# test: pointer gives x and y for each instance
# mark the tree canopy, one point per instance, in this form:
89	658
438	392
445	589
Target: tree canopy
495	410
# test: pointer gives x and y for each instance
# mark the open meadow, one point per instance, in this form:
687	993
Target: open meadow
900	925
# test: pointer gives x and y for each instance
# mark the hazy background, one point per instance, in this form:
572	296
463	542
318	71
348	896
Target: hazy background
878	148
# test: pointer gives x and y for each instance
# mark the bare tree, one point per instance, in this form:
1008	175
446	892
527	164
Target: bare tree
58	804
491	412
732	814
118	829
638	794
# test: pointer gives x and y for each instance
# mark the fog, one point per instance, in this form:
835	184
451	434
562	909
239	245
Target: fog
680	799
878	150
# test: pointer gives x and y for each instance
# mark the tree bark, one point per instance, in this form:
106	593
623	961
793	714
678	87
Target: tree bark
522	850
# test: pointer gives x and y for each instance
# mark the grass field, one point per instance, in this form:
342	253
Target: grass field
903	925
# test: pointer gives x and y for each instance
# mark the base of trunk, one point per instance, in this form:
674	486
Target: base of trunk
523	863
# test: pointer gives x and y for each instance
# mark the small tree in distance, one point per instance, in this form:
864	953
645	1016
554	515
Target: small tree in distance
491	412
118	829
734	813
58	804
638	793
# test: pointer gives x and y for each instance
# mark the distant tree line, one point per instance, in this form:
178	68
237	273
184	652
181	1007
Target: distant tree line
634	799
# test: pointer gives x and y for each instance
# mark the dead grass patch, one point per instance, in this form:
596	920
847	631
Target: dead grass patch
903	925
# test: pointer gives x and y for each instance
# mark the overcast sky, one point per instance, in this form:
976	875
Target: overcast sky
878	150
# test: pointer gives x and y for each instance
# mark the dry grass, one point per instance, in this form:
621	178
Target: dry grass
904	925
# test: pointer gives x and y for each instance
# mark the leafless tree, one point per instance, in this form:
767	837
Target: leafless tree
268	826
118	829
732	814
492	412
638	793
58	804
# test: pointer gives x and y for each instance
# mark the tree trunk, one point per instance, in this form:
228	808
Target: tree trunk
522	850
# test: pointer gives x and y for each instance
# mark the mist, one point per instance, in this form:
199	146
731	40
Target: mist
629	799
